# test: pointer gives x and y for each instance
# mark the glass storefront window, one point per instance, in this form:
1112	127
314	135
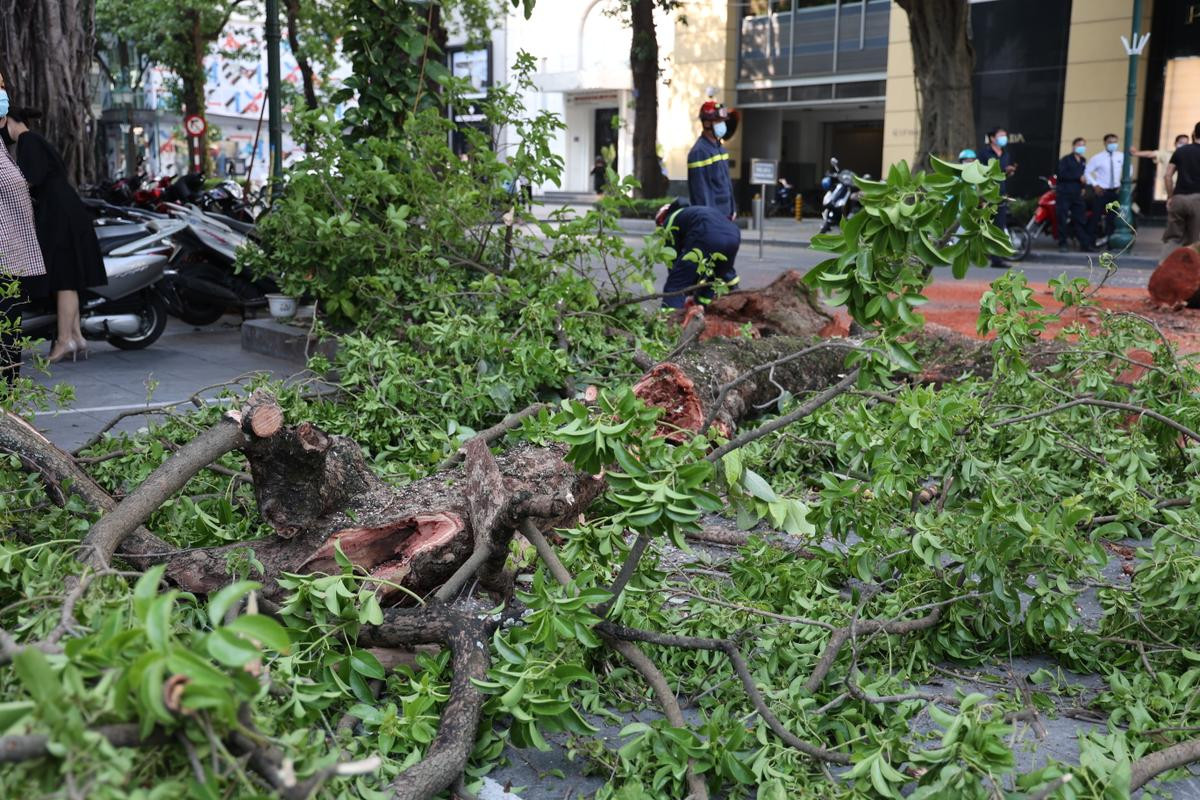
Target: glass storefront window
1180	109
804	38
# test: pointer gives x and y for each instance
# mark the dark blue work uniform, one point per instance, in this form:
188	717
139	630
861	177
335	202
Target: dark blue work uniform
705	229
709	183
1068	199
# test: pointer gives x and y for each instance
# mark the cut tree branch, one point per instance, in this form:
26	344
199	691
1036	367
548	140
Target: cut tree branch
261	419
787	419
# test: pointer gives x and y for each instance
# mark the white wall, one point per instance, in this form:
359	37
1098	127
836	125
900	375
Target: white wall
581	52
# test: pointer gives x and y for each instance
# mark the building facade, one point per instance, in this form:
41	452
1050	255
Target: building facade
822	78
235	101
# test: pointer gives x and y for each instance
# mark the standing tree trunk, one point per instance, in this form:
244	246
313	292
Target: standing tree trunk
292	8
942	60
192	89
45	54
643	62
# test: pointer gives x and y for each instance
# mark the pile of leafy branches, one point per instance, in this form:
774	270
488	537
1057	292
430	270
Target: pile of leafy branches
931	526
453	302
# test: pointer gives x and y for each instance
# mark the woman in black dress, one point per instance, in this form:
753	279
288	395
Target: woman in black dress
64	228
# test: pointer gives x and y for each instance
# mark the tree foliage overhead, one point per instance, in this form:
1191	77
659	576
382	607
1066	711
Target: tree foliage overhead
175	35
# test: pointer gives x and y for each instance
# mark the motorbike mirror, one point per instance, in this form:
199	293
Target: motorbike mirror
833	162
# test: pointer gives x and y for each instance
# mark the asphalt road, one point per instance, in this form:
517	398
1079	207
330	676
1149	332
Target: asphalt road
756	272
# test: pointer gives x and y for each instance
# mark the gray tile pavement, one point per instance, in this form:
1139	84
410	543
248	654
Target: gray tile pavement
183	361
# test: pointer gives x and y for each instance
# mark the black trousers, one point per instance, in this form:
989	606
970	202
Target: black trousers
1071	212
1104	223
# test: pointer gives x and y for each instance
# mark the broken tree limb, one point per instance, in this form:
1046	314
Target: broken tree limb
735	657
493	433
260	418
487	502
1177	755
35	745
653	676
318	493
785	307
839	637
61	472
787	419
466	635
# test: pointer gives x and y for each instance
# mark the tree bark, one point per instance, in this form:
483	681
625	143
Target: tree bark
192	91
318	494
643	63
943	60
292	8
46	51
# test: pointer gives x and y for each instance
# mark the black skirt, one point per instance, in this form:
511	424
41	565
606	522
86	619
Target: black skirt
64	226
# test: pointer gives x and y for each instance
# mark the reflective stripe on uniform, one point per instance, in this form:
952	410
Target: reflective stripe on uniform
707	161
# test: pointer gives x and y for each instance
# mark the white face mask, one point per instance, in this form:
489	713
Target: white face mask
719	130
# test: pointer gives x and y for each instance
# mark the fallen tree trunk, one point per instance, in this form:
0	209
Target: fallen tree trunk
318	494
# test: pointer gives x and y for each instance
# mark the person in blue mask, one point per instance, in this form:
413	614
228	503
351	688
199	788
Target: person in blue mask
1068	196
709	183
997	150
702	228
1104	176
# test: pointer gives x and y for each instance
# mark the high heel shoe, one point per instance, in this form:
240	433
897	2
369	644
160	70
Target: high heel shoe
81	348
60	351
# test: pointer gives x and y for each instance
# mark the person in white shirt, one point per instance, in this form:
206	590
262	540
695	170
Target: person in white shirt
1103	174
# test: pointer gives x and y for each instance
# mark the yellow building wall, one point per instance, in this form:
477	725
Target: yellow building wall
901	121
1098	73
705	55
1095	84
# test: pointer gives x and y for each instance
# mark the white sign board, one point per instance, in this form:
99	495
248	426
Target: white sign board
763	171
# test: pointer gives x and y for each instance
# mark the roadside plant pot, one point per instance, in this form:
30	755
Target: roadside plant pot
306	312
281	306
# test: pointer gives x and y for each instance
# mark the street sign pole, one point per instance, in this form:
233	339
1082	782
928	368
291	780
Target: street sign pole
1122	235
274	81
194	126
762	218
765	173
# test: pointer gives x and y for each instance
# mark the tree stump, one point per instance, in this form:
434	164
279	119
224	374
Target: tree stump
1175	283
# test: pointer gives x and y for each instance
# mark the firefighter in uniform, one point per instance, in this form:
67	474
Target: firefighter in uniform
702	228
709	183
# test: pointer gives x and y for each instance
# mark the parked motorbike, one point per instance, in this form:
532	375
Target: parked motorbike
841	197
783	204
1043	222
129	312
201	282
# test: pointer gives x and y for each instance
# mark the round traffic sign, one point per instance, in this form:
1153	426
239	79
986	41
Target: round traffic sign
194	125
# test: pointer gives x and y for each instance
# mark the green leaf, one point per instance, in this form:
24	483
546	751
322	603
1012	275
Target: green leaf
230	650
262	629
365	664
37	676
13	712
754	483
146	589
223	600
